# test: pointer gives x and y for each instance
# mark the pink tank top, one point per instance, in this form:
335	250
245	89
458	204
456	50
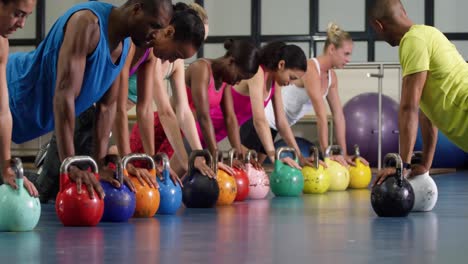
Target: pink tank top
242	108
214	96
139	62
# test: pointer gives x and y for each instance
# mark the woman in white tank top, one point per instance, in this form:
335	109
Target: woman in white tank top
320	83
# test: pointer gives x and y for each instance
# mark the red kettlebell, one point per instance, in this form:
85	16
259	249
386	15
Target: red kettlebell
73	208
242	180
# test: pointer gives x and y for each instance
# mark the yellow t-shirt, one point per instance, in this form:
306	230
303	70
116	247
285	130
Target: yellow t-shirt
445	96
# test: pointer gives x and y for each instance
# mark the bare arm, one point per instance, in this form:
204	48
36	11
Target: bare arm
144	108
282	124
260	121
312	85
121	121
200	78
408	114
81	38
167	116
429	137
182	108
413	86
230	119
5	114
337	111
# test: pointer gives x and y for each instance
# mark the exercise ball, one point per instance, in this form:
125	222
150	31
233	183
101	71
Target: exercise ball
447	154
362	121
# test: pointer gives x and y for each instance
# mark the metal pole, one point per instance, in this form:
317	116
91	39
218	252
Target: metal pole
379	75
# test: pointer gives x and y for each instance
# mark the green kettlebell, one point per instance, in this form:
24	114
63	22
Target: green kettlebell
338	173
286	180
19	211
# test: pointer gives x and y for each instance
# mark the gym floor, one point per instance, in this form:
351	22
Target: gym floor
337	227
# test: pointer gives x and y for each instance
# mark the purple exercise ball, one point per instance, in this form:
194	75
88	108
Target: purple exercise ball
361	115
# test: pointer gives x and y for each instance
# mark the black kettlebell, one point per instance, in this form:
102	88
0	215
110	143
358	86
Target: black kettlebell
199	190
395	196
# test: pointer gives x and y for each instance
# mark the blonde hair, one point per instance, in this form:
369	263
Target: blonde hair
200	11
335	36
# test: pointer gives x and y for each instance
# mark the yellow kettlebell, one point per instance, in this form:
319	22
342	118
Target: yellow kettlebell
360	175
316	178
338	173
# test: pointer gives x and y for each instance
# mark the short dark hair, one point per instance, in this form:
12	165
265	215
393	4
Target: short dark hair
272	53
245	55
188	26
382	9
153	6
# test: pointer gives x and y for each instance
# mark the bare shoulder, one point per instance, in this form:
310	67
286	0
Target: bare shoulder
83	26
4	49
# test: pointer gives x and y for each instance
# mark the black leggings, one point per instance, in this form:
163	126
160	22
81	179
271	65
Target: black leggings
250	139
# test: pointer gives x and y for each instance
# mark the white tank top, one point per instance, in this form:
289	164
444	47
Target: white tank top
296	101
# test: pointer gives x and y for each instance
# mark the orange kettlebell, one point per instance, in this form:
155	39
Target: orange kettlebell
227	185
147	198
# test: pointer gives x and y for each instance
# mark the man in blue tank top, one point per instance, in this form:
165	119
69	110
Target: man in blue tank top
76	66
13	14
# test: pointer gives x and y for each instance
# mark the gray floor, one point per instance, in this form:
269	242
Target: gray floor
337	227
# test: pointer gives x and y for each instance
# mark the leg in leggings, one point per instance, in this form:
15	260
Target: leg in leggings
250	139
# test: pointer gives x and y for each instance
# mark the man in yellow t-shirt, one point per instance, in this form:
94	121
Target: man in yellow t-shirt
435	81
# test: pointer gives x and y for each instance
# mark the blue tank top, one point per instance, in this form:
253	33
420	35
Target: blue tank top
31	76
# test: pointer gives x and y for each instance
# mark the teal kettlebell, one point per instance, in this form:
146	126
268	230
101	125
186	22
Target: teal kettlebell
286	180
19	211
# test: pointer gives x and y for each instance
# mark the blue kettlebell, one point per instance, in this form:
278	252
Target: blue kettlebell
19	211
170	192
119	203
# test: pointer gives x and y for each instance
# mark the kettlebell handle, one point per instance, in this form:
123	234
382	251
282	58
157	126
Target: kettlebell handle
357	152
332	150
314	151
163	158
233	153
118	166
249	155
286	149
138	156
200	153
398	164
72	160
17	167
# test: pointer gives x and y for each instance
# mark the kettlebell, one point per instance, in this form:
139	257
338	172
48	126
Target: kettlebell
73	208
227	185
360	175
147	198
259	182
119	203
171	193
19	211
316	178
339	174
242	181
286	180
395	196
425	189
200	191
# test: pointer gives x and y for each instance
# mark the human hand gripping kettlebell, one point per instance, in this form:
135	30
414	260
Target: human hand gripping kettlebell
9	177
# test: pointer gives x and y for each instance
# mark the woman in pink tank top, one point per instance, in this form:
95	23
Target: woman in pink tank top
207	82
280	64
